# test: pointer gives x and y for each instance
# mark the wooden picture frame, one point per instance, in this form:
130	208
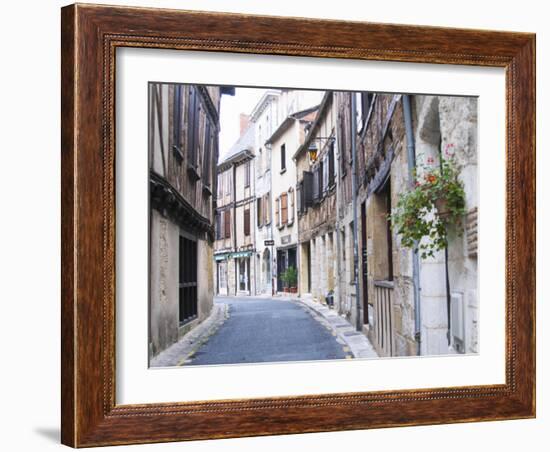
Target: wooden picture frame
90	37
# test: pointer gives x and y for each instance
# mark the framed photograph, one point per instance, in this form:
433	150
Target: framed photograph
283	225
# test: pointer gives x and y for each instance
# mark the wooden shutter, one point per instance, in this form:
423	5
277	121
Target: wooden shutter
259	212
308	189
331	164
291	206
324	165
316	184
277	218
218	226
207	153
193	120
247	174
299	196
246	221
267	208
176	123
227	224
342	143
284	208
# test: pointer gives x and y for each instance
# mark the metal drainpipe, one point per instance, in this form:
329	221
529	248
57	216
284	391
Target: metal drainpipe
235	227
411	160
358	321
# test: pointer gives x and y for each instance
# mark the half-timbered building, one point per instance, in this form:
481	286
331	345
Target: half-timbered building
183	151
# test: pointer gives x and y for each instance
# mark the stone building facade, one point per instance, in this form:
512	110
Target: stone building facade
183	151
234	248
427	307
264	120
316	174
286	139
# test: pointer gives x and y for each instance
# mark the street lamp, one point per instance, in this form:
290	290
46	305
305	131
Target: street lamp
312	150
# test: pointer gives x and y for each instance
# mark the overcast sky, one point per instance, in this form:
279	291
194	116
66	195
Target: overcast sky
244	100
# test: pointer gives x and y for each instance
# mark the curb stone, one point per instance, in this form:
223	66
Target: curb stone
357	343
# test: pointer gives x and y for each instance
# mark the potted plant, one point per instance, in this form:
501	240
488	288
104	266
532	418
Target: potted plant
290	278
437	200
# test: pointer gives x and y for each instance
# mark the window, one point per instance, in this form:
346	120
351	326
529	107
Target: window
176	125
259	212
284	208
246	220
193	119
188	265
228	182
283	158
227	224
247	174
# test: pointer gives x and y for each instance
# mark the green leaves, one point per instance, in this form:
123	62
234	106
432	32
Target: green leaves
424	213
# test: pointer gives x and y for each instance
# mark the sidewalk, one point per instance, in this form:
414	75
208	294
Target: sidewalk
180	352
358	344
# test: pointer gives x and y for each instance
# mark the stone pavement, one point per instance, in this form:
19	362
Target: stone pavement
181	351
358	344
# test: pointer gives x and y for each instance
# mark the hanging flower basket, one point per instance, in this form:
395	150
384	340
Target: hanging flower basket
437	200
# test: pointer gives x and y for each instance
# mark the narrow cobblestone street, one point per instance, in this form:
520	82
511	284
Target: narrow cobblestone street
268	330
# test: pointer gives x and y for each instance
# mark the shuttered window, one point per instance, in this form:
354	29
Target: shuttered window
284	208
277	218
187	279
246	220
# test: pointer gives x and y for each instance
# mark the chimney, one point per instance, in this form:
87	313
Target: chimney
244	121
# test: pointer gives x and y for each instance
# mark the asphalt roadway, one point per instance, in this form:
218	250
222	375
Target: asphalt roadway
267	330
